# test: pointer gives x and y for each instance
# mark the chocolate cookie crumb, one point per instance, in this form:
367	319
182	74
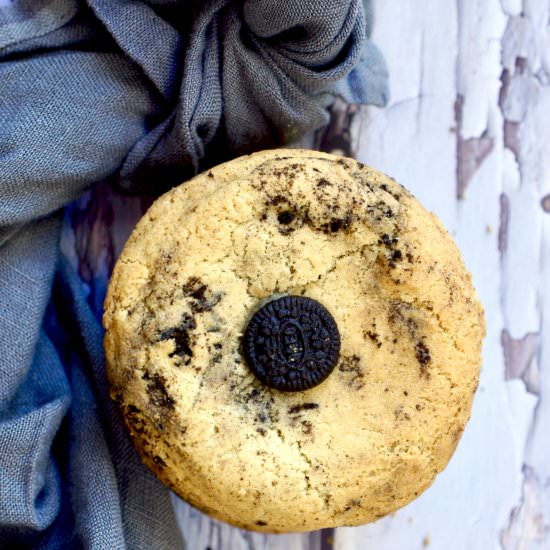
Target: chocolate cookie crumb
303	407
286	217
156	389
180	335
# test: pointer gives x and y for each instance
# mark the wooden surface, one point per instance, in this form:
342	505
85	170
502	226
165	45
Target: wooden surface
467	131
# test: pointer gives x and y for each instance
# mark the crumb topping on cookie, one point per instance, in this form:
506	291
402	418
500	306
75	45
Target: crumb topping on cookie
375	433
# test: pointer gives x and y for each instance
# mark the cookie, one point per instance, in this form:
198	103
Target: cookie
294	342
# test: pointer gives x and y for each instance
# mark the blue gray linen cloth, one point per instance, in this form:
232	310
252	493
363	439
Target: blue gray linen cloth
145	92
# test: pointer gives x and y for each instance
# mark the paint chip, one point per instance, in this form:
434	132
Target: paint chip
470	156
503	224
519	354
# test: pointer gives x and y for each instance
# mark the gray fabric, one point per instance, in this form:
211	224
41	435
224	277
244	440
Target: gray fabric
26	19
147	93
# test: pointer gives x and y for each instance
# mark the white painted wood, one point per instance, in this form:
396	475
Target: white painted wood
495	493
202	533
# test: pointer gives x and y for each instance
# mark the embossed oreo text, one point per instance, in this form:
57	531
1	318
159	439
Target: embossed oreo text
292	343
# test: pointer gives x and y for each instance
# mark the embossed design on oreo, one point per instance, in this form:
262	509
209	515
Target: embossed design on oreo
292	343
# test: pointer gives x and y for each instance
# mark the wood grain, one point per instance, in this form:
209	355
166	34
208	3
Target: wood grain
467	131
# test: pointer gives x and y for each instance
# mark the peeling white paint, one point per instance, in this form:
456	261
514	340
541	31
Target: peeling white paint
496	491
201	532
528	528
512	7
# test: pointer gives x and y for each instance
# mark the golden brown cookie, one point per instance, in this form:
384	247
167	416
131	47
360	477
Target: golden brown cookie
207	256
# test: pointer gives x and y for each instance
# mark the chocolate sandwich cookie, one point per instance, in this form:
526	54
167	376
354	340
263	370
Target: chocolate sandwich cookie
294	342
291	343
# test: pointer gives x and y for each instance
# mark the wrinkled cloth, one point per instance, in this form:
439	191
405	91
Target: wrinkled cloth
145	93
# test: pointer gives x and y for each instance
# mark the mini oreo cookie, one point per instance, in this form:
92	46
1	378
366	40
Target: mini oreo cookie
292	343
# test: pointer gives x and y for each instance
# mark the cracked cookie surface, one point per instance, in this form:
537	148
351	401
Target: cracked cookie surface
375	433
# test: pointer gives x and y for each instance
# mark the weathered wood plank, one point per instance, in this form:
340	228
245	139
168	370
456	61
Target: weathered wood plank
203	533
495	492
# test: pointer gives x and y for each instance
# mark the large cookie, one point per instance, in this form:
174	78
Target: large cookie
209	255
